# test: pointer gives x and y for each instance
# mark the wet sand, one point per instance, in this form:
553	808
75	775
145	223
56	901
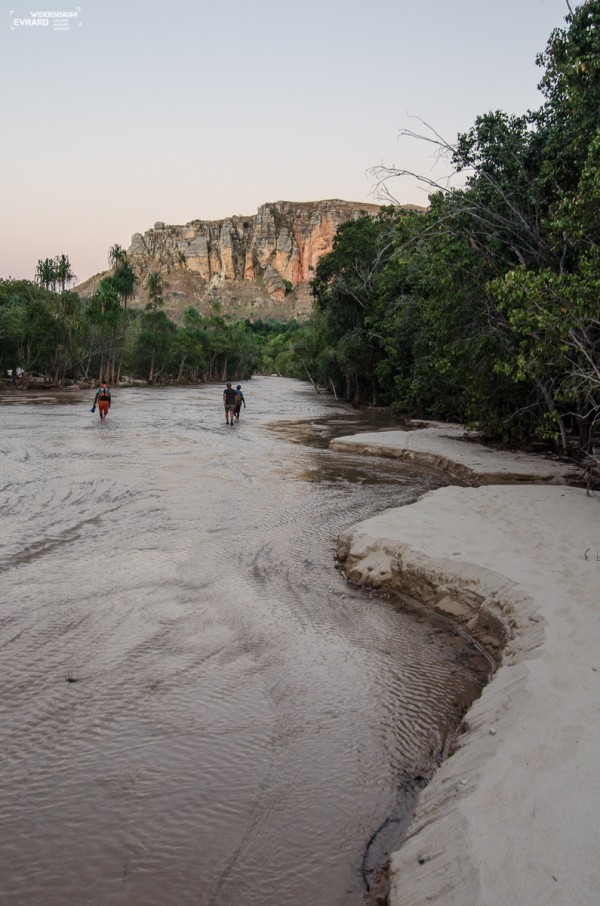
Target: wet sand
196	707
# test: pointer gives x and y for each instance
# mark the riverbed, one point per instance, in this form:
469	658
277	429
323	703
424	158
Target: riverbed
197	708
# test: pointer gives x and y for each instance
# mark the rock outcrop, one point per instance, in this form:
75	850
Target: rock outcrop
255	266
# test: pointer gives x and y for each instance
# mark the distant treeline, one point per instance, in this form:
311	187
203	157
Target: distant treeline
50	332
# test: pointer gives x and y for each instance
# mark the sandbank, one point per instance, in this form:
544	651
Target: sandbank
513	815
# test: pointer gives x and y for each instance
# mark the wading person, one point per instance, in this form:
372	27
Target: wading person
238	402
102	400
230	397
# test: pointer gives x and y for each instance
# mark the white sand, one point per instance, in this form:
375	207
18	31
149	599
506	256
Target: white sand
513	816
445	447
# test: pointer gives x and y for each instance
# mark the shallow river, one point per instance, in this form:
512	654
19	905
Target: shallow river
196	708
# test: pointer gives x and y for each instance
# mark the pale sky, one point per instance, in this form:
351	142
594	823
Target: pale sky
196	110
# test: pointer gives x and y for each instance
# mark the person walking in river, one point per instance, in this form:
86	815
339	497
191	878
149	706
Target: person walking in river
238	402
230	398
102	400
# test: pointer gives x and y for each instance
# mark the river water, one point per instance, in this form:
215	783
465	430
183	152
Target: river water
196	708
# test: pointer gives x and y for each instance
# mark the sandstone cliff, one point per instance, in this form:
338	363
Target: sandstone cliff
256	266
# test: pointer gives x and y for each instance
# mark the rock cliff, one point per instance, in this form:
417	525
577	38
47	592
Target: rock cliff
255	266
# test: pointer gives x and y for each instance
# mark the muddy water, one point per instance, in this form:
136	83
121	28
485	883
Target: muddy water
240	726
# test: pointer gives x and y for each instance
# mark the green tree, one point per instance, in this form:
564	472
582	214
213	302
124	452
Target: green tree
45	273
124	278
29	333
54	273
190	345
104	317
154	341
345	291
64	272
509	264
568	120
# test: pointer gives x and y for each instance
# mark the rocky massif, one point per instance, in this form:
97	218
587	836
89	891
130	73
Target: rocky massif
256	266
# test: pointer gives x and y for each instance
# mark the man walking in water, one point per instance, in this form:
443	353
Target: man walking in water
230	398
102	399
238	402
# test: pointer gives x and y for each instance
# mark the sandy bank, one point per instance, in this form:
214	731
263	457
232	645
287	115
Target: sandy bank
445	447
513	816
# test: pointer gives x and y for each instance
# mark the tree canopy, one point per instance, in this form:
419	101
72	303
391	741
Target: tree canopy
485	308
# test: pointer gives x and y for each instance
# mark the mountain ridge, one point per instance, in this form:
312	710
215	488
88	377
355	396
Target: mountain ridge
253	266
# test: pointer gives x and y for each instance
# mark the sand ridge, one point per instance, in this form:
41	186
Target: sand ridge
513	816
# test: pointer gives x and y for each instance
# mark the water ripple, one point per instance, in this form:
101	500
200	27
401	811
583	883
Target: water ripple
197	709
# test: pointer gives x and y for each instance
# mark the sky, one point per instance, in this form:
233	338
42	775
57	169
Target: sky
133	112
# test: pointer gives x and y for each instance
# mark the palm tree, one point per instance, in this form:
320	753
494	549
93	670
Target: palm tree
124	277
116	254
64	273
104	313
123	280
154	285
45	273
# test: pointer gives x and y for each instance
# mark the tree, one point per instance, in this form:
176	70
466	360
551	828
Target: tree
153	337
104	316
124	278
29	334
512	257
55	272
568	120
45	273
64	272
190	346
344	289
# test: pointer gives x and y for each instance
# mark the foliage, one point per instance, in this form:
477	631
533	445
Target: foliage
485	308
59	336
52	273
123	276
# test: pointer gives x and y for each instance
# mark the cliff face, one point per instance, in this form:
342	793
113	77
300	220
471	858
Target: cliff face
283	241
255	266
